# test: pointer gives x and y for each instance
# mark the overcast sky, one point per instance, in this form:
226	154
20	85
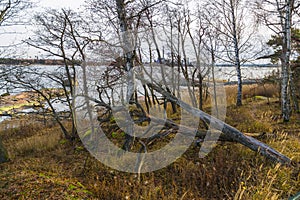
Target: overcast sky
13	35
61	3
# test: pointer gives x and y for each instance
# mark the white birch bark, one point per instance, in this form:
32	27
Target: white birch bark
237	52
128	52
285	58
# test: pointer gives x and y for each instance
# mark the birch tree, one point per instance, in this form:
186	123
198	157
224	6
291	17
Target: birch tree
197	37
277	15
276	43
230	22
124	18
128	50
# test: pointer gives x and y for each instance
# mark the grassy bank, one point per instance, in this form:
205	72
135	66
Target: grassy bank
45	166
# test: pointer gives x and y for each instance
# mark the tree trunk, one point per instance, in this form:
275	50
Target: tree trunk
228	130
213	63
128	49
237	54
285	59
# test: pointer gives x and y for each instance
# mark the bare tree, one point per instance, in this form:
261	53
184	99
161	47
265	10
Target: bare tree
12	15
278	16
230	16
197	40
128	20
62	36
40	81
9	11
129	51
211	44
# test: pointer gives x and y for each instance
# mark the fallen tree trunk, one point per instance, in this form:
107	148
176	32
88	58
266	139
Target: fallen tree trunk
201	134
228	130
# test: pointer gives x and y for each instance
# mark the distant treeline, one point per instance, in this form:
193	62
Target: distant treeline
11	61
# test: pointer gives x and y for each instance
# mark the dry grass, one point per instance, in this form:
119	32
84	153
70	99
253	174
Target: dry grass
44	166
252	92
37	144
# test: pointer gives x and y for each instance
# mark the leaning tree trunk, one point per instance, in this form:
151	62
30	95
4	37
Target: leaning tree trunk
228	130
3	153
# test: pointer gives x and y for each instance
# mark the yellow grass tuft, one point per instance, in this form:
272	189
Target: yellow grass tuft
36	144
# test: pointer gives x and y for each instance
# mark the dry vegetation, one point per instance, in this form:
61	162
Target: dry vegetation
45	166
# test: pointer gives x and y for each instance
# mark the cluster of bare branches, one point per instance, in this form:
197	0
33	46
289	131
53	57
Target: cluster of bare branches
117	53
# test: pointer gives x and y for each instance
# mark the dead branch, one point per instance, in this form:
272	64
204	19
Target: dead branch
228	130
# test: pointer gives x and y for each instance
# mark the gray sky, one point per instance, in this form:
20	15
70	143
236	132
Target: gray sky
13	35
61	3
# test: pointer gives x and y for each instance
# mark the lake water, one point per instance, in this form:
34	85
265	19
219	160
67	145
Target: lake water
229	73
226	73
